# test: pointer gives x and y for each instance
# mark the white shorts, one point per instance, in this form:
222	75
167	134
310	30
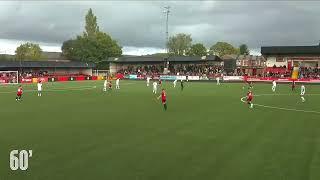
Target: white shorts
302	94
39	89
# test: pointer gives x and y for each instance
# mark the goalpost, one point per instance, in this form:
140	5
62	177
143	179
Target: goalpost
9	77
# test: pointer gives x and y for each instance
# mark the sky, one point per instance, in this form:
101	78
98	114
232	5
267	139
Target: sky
139	26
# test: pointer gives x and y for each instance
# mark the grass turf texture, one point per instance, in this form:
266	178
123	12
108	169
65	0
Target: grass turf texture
77	132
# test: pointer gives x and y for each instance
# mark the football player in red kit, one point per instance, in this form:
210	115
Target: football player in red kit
19	93
163	97
250	98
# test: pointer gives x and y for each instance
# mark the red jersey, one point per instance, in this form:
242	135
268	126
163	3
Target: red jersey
249	96
19	92
163	96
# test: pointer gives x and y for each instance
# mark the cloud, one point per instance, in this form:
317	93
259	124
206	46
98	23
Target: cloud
141	24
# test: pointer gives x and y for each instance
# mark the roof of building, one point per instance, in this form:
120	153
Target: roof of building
46	64
290	50
161	59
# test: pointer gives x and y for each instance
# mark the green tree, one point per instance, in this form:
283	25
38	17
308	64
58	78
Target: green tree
28	51
94	45
197	50
244	50
3	57
91	27
179	44
223	48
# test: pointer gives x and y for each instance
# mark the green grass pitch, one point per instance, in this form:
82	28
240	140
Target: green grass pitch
78	132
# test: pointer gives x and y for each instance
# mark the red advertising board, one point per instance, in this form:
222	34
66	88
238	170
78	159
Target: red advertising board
80	78
2	81
63	78
26	80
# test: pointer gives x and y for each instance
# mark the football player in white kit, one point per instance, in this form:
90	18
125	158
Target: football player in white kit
154	90
39	85
118	83
148	80
274	86
303	91
175	83
105	85
218	80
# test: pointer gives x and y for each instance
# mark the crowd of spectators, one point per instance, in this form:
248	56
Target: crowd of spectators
8	77
181	69
278	74
196	69
142	69
216	70
31	74
309	72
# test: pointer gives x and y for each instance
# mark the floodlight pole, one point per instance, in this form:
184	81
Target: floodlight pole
167	11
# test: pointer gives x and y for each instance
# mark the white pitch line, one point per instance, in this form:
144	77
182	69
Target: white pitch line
281	108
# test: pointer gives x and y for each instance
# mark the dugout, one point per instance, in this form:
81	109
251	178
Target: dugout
48	68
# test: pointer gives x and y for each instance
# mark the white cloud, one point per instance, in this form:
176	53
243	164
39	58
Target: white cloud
138	51
9	46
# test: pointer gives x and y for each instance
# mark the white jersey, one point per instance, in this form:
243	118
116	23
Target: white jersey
303	90
39	86
274	83
155	85
148	79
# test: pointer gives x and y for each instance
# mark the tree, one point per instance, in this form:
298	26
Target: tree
223	48
244	50
3	57
28	51
179	44
197	50
91	27
93	46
